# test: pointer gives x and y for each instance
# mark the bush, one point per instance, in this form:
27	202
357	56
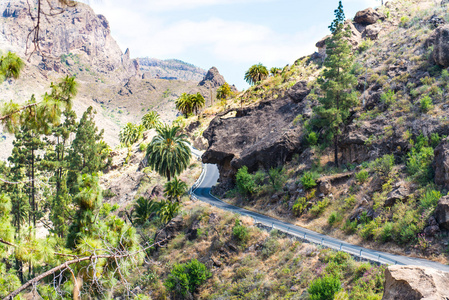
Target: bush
425	104
383	165
324	288
143	147
246	184
334	218
277	178
308	180
362	176
319	208
388	98
404	21
240	232
430	199
419	160
312	139
300	206
186	278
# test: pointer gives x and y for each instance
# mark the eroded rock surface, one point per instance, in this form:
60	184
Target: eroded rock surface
442	213
260	136
368	16
415	283
442	164
441	47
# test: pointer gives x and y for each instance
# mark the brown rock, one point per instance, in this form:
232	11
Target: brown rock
399	193
415	283
325	187
441	163
213	79
442	213
368	16
441	47
372	31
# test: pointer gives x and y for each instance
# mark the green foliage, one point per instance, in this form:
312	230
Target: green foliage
151	120
275	71
240	232
383	165
362	176
419	160
430	198
256	73
130	134
338	83
319	207
184	279
168	153
404	22
224	91
300	206
143	208
174	189
324	288
334	218
188	104
312	138
245	182
277	177
388	98
426	104
308	180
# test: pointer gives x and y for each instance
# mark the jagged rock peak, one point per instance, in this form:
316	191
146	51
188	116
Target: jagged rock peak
212	79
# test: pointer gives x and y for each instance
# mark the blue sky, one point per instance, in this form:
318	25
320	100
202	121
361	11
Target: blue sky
231	35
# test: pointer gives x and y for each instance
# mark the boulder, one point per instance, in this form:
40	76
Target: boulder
299	91
441	47
325	187
415	283
432	227
259	136
442	213
399	193
372	31
368	16
441	163
436	21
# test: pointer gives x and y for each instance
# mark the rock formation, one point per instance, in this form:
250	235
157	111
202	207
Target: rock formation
368	16
212	79
441	164
170	68
442	213
260	136
441	47
415	283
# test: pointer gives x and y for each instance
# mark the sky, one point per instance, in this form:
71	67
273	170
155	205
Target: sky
231	35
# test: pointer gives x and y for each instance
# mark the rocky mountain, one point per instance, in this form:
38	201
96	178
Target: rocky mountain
170	69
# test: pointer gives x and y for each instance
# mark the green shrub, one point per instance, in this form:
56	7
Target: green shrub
365	45
186	278
270	246
362	176
388	98
404	22
319	207
425	104
246	184
384	165
419	160
143	147
334	218
312	139
350	227
324	288
300	206
277	178
240	232
386	233
430	199
308	180
350	201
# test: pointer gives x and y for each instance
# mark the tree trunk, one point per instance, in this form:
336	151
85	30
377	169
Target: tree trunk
336	150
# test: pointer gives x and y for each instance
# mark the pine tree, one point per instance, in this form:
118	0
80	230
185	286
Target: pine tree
89	153
337	83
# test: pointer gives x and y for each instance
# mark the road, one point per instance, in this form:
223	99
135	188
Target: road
209	177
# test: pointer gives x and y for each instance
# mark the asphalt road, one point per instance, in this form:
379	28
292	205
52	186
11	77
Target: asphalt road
209	177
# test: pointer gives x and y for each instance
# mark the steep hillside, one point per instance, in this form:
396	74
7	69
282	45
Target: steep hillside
171	69
388	193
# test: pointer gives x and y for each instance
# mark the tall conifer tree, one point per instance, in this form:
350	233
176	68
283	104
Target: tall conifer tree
337	83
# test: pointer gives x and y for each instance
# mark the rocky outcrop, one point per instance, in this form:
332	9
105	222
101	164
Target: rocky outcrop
441	47
213	79
372	31
368	16
415	283
442	213
260	136
399	193
170	68
441	164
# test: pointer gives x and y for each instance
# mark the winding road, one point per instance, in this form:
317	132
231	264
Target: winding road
209	177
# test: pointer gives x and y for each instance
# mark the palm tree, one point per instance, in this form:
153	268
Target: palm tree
130	134
174	189
184	104
151	120
223	91
197	102
274	71
168	153
256	73
143	210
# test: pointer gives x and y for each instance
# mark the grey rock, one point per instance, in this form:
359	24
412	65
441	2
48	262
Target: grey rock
368	16
372	31
442	213
441	47
441	164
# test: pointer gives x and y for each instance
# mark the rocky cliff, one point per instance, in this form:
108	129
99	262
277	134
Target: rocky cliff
171	69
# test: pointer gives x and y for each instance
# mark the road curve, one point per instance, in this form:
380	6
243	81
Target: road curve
209	177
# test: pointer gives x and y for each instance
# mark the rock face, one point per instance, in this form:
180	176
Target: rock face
441	48
260	136
170	68
77	30
415	283
441	164
368	16
442	213
212	79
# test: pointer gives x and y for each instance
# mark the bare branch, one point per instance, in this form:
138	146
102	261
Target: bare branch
7	243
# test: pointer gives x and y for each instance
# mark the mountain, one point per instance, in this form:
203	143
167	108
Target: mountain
172	69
